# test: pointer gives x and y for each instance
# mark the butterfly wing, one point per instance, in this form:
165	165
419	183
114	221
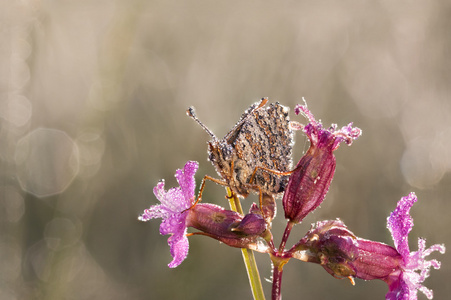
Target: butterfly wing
264	140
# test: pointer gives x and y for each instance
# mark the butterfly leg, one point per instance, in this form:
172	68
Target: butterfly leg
266	202
202	186
280	173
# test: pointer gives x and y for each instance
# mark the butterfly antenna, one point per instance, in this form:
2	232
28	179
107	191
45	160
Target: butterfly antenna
190	112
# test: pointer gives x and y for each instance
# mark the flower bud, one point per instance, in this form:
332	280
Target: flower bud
227	226
252	224
342	254
268	207
333	246
309	183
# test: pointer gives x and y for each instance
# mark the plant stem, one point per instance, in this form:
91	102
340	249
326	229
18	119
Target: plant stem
278	262
277	272
248	255
277	283
286	234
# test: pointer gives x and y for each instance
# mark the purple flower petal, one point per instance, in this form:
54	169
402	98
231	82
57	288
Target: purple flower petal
406	285
330	137
173	210
400	223
178	245
186	180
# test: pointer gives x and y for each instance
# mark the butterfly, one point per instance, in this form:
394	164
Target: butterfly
255	153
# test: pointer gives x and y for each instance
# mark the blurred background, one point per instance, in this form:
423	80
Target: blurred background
92	114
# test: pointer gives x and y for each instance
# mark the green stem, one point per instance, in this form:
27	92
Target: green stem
248	255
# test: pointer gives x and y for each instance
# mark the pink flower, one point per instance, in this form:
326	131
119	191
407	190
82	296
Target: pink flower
407	281
174	208
342	254
309	183
178	213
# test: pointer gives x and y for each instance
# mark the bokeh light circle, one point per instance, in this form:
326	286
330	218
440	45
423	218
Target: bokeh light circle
47	160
